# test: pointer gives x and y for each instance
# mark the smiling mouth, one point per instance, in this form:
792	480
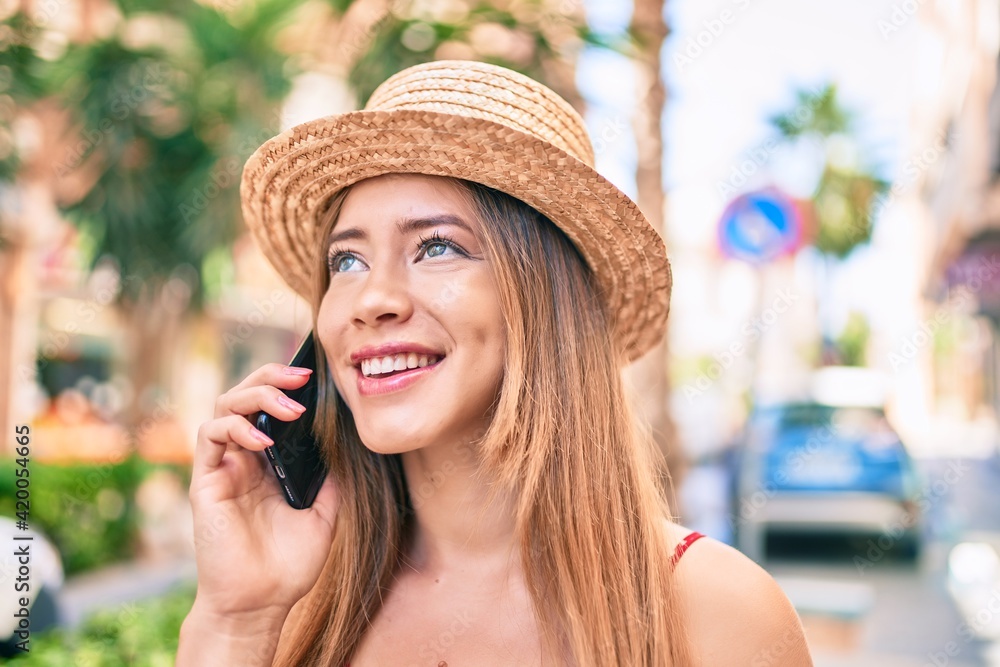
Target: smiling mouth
384	367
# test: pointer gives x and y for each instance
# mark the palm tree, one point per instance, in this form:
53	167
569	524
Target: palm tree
649	375
847	190
158	153
24	83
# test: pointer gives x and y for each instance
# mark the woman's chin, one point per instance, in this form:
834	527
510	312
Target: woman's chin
392	441
378	449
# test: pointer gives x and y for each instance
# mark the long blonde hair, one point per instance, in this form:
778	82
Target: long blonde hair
590	514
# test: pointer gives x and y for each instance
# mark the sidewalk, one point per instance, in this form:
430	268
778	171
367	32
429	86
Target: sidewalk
120	583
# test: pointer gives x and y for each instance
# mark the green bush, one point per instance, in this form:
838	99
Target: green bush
140	634
87	510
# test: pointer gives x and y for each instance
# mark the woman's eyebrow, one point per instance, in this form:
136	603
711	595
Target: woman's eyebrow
404	226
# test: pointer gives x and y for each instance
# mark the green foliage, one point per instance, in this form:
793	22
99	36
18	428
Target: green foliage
846	194
164	127
816	112
22	81
133	635
411	34
87	510
852	343
842	203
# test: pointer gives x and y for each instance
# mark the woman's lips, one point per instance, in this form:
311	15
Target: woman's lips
368	386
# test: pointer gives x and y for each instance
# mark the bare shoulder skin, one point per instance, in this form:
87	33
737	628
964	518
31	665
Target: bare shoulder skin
735	611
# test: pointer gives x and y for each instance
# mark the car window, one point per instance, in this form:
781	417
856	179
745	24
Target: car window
847	422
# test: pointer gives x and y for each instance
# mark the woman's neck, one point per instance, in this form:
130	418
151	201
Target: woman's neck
455	527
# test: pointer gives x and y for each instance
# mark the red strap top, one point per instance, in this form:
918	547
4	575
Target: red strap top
683	546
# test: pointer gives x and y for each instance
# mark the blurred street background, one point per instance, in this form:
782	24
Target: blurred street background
826	177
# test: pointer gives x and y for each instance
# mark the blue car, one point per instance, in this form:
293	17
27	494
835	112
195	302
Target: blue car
813	468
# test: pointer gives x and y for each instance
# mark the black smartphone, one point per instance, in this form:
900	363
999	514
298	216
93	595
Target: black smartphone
295	456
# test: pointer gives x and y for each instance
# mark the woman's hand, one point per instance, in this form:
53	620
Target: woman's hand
256	554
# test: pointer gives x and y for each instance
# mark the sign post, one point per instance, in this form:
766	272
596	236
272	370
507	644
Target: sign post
758	227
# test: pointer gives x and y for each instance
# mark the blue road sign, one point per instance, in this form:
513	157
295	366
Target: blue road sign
759	226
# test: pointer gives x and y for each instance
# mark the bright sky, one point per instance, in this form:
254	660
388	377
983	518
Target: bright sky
730	64
721	94
722	97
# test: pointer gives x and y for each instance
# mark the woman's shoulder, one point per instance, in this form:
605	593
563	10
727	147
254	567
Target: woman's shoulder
735	612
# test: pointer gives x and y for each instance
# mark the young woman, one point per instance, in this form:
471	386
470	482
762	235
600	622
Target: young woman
477	288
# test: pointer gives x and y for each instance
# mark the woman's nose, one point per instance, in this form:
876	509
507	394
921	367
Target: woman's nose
385	295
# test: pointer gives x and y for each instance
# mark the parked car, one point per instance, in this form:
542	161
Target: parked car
812	468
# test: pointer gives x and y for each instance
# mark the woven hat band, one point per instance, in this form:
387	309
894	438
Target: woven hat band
474	90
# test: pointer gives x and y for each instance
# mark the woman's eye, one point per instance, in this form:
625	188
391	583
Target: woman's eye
345	261
437	246
436	249
341	262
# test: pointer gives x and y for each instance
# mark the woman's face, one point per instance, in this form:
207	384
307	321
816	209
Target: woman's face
408	275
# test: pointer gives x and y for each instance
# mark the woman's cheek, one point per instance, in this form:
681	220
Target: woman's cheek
337	387
448	292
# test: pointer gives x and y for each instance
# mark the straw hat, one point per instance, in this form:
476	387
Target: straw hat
477	122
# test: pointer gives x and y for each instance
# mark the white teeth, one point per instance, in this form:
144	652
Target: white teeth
398	362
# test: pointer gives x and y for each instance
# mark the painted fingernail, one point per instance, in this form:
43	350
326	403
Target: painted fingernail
296	370
290	404
260	436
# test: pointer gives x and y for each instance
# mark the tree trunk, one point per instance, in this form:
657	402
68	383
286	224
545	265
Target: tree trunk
154	324
11	261
649	375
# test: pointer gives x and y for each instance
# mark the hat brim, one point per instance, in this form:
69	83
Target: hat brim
287	181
